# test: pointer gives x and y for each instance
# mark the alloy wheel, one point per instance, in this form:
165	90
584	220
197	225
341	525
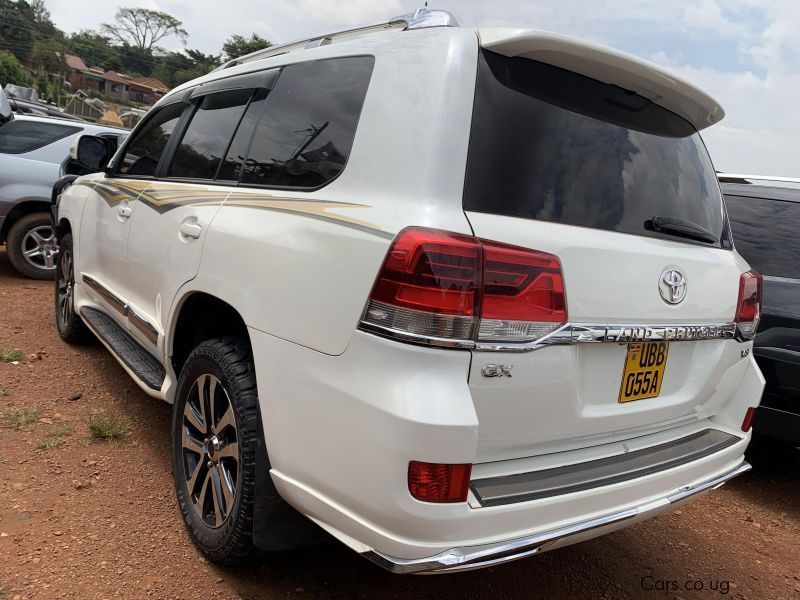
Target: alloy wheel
66	281
40	247
210	450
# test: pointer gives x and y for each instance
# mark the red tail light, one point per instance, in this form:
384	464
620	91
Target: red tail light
747	423
748	307
434	482
450	289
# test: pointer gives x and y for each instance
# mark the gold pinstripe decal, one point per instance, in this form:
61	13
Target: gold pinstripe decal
164	196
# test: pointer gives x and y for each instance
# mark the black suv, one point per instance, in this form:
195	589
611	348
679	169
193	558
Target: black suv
765	217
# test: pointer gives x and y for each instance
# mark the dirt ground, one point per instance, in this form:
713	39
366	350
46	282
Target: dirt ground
82	519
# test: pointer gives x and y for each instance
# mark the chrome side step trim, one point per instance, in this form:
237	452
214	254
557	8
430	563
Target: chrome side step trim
123	308
476	557
546	483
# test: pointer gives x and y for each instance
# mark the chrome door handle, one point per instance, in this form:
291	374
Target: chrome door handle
190	229
125	212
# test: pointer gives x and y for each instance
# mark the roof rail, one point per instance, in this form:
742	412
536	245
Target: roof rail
419	19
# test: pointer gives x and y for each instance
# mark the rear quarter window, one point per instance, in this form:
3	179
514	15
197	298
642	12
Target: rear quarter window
552	145
766	232
308	124
19	136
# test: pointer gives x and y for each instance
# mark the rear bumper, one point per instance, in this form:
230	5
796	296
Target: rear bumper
341	431
476	557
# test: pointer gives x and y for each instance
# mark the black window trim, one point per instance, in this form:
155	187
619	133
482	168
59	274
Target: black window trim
72	130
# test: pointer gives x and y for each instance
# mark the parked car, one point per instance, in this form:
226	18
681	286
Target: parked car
34	153
765	216
39	109
454	296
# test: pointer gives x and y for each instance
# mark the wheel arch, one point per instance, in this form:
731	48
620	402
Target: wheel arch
200	316
21	209
63	228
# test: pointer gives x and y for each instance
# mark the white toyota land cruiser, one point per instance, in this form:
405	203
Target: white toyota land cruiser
454	296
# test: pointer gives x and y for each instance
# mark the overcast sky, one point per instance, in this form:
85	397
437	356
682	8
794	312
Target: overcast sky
746	53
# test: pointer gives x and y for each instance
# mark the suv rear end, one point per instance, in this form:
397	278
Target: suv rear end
565	352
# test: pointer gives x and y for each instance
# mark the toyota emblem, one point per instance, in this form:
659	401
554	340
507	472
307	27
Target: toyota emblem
672	285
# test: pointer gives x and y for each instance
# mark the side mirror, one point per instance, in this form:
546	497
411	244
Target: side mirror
92	152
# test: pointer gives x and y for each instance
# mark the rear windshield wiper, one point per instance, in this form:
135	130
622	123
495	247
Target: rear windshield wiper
681	227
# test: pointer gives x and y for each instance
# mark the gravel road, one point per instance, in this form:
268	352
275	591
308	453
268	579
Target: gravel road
83	519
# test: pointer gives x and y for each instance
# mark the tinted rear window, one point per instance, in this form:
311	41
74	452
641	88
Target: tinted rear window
307	128
552	145
767	234
209	132
23	136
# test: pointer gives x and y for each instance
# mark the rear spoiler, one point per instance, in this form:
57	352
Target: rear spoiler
609	66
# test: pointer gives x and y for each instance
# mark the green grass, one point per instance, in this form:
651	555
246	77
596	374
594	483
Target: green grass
20	417
60	431
10	355
51	444
107	428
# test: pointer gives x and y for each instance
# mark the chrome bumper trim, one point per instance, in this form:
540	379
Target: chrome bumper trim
477	557
576	333
590	333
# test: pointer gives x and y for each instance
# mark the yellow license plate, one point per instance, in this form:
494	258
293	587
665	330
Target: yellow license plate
644	371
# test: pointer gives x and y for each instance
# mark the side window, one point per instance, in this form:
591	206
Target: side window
19	136
147	146
306	131
231	167
207	136
765	234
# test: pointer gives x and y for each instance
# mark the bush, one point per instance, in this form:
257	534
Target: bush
11	70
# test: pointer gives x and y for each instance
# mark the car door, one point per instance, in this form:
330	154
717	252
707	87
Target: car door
175	211
110	204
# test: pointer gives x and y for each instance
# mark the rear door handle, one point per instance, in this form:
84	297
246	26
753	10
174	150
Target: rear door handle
125	212
191	229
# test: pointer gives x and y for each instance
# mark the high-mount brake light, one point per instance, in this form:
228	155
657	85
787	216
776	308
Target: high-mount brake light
748	307
450	289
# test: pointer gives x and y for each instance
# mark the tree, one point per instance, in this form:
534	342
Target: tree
11	71
94	49
143	28
41	14
238	45
176	68
46	56
16	31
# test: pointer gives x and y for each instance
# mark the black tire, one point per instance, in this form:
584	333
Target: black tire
19	241
229	361
70	326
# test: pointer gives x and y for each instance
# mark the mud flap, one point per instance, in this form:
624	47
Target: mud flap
276	525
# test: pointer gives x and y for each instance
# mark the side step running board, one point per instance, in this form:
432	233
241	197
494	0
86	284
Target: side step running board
144	365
